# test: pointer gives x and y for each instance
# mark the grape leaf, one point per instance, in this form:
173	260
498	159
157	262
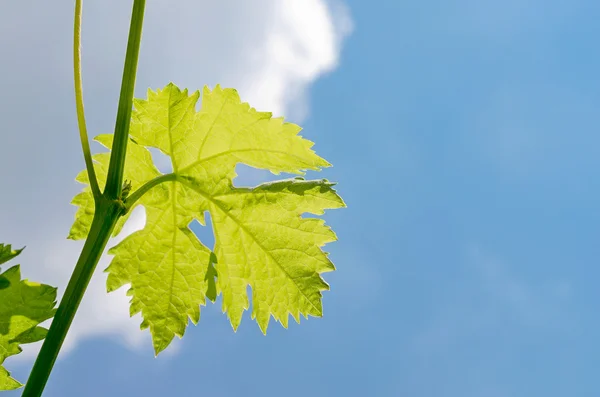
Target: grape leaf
7	253
23	306
261	240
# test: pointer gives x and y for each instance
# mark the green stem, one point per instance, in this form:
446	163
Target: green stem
102	226
108	207
114	181
83	135
147	186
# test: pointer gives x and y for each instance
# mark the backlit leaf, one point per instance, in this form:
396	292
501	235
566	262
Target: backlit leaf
261	238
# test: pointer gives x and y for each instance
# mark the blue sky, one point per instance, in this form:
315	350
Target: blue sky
464	140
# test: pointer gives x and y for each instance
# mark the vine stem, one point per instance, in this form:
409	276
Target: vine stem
108	207
114	182
100	231
83	135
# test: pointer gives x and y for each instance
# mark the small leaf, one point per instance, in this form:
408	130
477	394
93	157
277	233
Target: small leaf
23	306
7	253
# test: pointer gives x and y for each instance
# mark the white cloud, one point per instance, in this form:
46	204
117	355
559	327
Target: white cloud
271	50
302	43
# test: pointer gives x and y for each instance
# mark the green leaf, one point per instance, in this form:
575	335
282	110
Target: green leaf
261	239
23	306
7	253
